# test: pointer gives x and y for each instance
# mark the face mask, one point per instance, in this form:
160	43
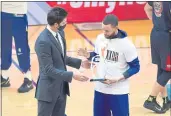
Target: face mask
62	27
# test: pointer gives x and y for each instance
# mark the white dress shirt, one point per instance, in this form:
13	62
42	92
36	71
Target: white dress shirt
59	38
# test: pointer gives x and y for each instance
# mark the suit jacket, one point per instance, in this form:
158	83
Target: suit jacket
53	75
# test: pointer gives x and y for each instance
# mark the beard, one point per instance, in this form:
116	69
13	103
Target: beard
112	36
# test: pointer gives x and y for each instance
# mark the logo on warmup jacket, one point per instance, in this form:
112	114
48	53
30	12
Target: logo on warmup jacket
19	51
112	56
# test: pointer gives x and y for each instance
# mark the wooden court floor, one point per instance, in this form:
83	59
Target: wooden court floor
81	101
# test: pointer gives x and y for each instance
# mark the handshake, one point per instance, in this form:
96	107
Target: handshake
85	64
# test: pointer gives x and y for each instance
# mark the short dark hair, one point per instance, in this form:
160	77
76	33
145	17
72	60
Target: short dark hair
110	19
56	15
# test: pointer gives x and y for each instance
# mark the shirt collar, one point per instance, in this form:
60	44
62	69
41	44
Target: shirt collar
53	33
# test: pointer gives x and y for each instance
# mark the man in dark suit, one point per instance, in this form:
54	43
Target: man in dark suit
52	86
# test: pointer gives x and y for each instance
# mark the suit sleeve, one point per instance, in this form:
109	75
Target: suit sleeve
73	62
43	51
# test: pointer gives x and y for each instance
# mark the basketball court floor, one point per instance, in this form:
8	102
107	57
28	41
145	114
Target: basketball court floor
81	101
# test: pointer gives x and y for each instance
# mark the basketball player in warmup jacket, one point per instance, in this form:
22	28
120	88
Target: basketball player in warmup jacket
118	62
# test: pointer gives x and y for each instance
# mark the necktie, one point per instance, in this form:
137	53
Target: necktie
59	42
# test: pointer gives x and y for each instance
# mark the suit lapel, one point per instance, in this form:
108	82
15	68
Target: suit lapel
54	41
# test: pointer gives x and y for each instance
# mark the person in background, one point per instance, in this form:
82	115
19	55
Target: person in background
15	25
160	14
